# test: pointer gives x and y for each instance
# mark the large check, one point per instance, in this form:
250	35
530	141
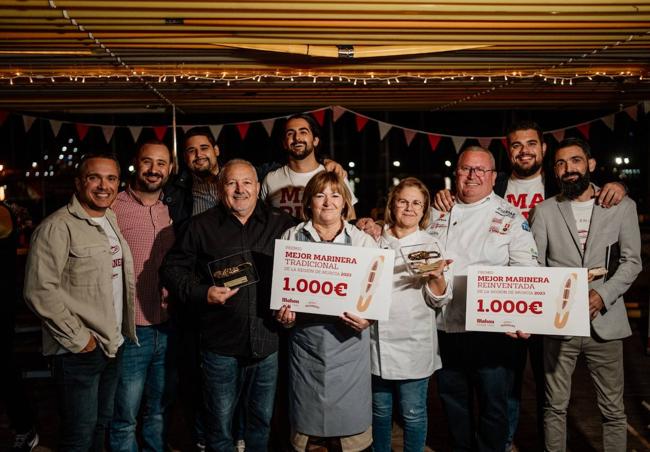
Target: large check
331	279
542	300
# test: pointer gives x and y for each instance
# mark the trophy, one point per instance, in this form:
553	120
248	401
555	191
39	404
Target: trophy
421	258
236	270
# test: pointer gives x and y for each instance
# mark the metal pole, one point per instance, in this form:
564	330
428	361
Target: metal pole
174	146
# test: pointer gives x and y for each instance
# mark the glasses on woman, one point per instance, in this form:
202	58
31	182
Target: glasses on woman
415	205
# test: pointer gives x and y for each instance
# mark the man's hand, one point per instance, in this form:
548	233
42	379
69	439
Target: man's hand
286	316
595	303
219	295
443	201
611	194
331	165
90	346
369	226
356	323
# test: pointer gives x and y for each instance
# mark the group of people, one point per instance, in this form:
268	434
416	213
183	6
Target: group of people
132	316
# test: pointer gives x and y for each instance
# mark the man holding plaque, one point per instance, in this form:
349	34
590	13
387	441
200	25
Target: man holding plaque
571	232
223	265
480	229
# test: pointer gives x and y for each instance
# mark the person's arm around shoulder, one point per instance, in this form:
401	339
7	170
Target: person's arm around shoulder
444	200
43	291
611	194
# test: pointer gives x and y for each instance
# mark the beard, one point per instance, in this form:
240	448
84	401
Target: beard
301	155
526	172
573	189
144	185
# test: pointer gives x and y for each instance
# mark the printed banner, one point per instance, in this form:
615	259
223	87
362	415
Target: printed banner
541	300
321	278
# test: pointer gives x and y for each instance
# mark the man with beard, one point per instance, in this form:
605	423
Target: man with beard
283	187
571	232
79	280
146	376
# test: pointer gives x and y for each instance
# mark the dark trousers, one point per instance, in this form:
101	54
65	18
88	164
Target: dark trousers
86	384
476	367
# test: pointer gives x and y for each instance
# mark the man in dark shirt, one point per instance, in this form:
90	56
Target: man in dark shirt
239	341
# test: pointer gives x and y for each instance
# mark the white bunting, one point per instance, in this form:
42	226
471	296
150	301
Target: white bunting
108	133
216	131
186	128
458	142
484	142
135	132
384	128
28	121
56	127
268	125
632	111
609	121
409	134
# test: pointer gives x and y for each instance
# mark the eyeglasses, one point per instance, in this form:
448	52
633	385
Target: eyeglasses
403	204
467	170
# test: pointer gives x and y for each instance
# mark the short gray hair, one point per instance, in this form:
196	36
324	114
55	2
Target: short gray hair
221	179
478	149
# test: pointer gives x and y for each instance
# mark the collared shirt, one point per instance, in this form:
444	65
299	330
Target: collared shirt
487	232
243	326
149	233
204	194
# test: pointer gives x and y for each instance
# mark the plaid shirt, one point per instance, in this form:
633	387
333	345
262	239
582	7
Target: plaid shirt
149	233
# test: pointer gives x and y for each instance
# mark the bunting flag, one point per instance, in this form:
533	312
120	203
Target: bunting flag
82	130
361	122
216	131
3	116
160	132
409	134
609	121
337	112
186	128
242	128
319	115
434	140
108	131
632	111
28	121
268	125
56	127
458	142
584	130
558	135
504	143
484	142
384	128
135	132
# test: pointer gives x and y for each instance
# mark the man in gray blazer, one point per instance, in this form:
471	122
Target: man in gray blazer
571	231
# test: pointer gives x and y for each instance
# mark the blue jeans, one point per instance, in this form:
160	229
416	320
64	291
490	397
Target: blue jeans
146	371
412	398
86	385
226	380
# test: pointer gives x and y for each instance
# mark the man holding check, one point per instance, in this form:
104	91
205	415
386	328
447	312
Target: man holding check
571	231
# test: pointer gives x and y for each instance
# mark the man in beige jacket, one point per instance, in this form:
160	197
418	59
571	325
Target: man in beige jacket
79	281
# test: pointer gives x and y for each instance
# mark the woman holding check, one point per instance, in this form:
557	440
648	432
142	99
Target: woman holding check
329	360
405	348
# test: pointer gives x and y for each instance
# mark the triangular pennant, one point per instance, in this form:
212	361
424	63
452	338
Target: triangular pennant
504	142
108	133
434	140
82	130
242	127
28	121
458	142
216	131
319	116
409	134
135	132
584	129
646	106
56	127
361	122
337	112
268	125
3	116
384	128
484	142
160	132
559	135
632	111
609	121
186	128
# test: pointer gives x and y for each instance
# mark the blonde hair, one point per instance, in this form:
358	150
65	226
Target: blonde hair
317	184
389	214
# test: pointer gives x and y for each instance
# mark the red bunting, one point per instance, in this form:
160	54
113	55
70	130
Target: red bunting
242	127
160	132
3	116
433	141
361	122
319	116
82	130
584	130
504	142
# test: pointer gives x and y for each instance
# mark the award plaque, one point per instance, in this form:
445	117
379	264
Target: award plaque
236	270
421	258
